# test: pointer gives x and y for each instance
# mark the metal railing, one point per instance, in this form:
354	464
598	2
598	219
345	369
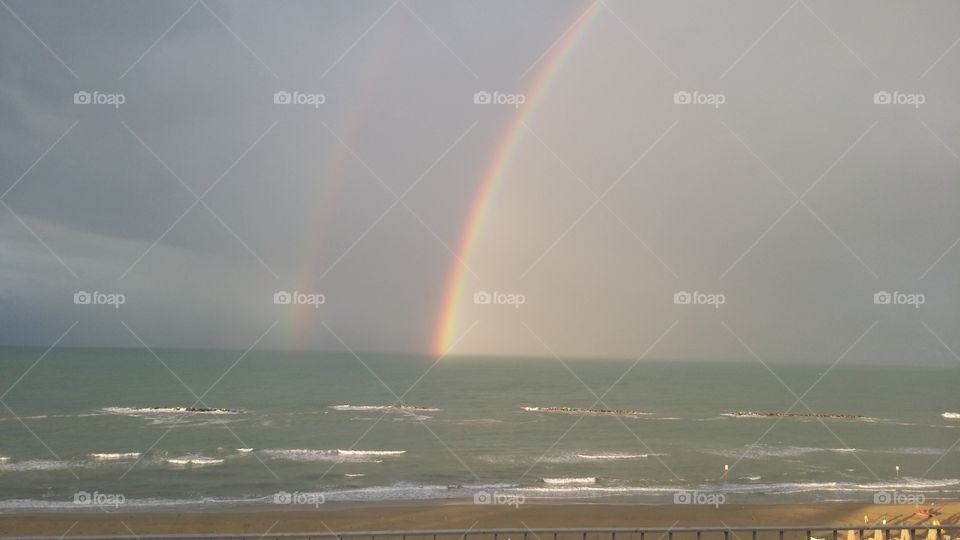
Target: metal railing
808	532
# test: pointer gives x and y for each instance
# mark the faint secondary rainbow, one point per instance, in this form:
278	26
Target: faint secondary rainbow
444	336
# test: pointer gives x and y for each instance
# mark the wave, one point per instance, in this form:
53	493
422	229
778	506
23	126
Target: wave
244	450
34	465
136	411
190	461
830	416
587	411
354	475
763	451
951	415
616	455
570	481
371	452
398	408
115	455
307	454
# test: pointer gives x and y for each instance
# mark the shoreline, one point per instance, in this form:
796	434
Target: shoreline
342	517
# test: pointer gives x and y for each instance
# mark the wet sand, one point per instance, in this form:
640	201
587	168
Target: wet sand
451	515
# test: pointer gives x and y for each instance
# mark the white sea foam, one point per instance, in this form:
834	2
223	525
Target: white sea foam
371	452
115	455
570	481
397	408
616	455
34	465
137	411
191	461
244	450
951	415
354	475
309	454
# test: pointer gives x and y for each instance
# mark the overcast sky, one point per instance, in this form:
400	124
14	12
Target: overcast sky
797	198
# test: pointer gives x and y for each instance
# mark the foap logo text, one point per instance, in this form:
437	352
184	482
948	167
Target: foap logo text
898	497
299	498
498	498
86	498
82	97
499	98
897	298
497	298
696	97
297	97
97	298
699	498
897	97
298	298
697	298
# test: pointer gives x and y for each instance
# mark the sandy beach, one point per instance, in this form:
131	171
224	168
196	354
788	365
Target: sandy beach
334	517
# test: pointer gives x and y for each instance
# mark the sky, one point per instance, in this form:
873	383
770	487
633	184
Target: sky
781	165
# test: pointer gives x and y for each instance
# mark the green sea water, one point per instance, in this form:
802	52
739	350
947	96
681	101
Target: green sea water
320	425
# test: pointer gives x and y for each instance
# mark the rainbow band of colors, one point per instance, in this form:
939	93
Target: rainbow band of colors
445	334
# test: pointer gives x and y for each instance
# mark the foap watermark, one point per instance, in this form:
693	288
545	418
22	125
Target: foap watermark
97	97
897	298
300	498
297	298
498	498
698	497
299	98
697	97
899	98
697	298
97	298
898	497
96	498
497	298
499	98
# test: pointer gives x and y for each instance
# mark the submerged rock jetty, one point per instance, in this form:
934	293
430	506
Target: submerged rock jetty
585	410
841	416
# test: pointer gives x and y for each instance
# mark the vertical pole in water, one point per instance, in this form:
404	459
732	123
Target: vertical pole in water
726	535
898	471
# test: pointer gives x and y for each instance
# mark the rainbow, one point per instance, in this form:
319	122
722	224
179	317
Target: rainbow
444	335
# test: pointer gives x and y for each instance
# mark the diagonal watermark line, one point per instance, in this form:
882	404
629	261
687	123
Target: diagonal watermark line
599	199
34	34
70	528
242	42
842	42
43	155
37	237
940	140
934	334
939	58
557	41
200	200
37	437
599	399
399	398
358	40
642	42
442	42
954	244
758	40
799	399
199	399
799	199
399	199
159	39
37	361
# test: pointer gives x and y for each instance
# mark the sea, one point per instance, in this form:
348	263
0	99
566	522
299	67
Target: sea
129	429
